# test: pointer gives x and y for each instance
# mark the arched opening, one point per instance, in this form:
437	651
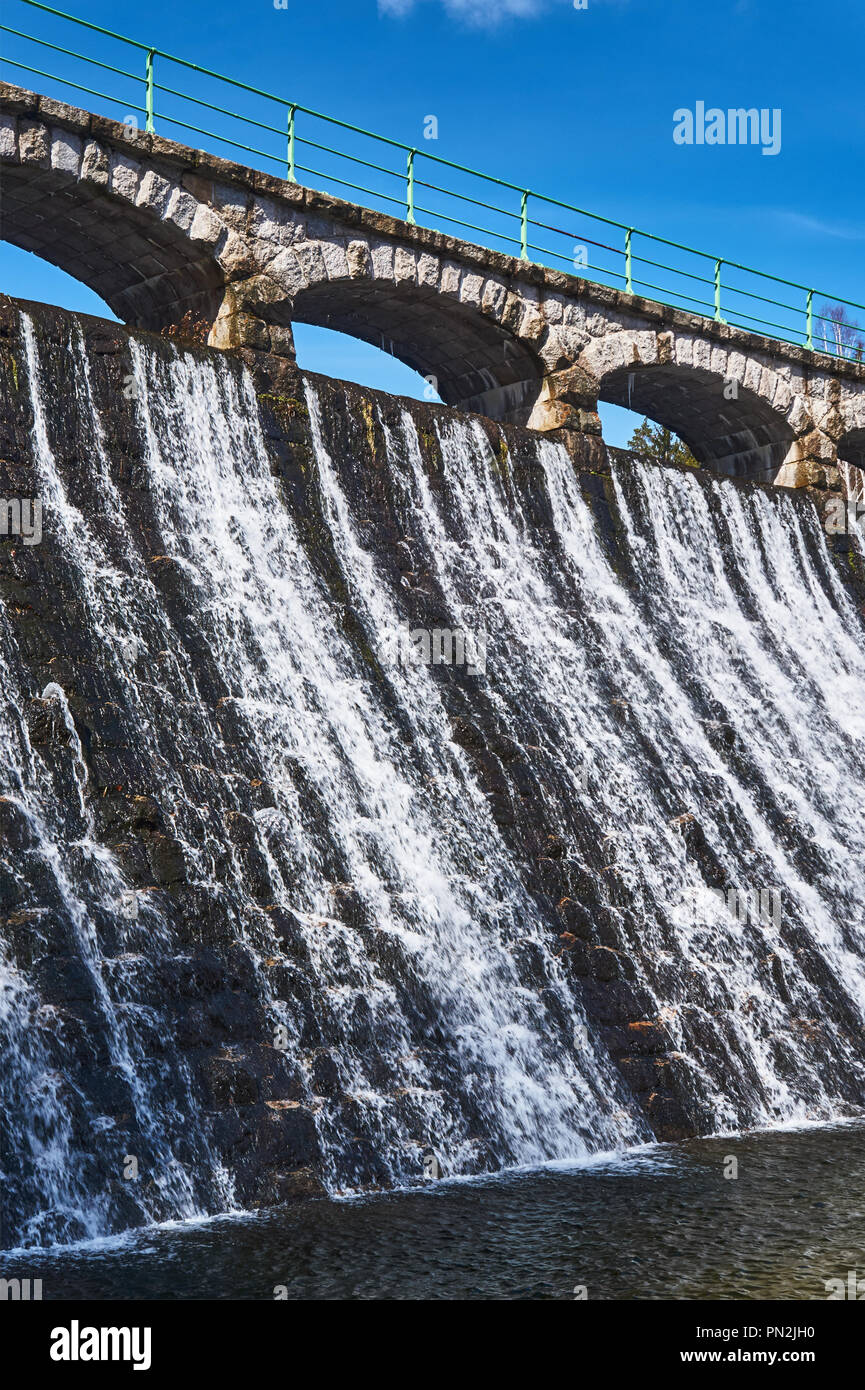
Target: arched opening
852	448
619	425
467	356
27	276
851	456
351	359
144	267
726	427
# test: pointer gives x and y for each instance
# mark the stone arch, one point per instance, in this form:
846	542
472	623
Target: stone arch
733	413
114	222
477	362
170	235
231	256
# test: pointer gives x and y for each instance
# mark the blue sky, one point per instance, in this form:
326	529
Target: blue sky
577	102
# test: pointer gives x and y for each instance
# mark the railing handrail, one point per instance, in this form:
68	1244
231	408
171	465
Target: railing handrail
413	182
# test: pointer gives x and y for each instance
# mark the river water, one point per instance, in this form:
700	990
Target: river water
660	1222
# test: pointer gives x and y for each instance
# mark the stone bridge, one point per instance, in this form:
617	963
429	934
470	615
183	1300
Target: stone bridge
177	240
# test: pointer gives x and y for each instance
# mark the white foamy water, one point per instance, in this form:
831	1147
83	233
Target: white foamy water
338	842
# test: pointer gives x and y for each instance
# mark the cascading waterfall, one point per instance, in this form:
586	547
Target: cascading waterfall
307	830
69	873
759	634
434	879
801	723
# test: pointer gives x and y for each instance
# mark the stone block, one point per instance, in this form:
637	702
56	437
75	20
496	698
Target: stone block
33	144
8	139
94	165
123	175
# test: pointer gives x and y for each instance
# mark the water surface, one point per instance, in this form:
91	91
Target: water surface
659	1223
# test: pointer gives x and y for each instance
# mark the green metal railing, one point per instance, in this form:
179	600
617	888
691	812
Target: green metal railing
528	223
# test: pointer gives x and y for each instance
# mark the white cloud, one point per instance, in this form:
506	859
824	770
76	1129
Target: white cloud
843	231
478	13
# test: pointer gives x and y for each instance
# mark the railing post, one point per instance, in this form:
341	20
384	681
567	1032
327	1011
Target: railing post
290	159
718	318
148	98
524	226
409	191
809	321
629	282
